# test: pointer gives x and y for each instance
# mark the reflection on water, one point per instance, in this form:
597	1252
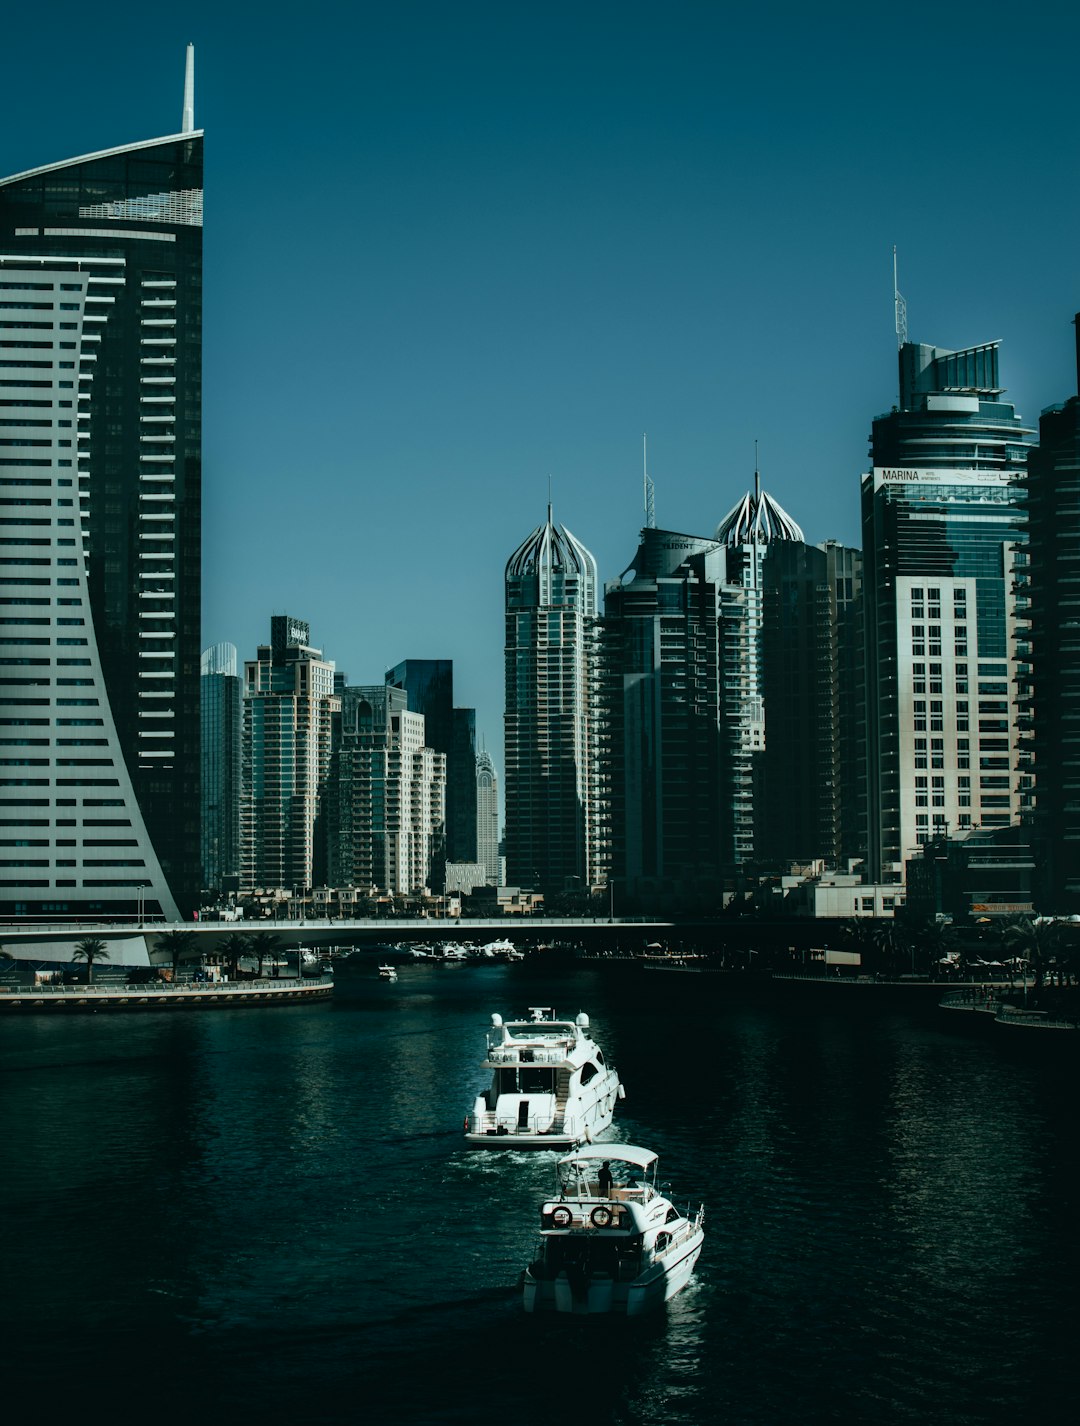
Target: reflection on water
278	1205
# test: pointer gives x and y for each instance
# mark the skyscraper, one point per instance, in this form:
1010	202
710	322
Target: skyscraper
747	533
811	793
100	484
288	710
220	698
944	532
487	817
661	717
554	831
1053	628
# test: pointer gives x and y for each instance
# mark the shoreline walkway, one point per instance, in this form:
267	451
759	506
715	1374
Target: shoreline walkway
189	995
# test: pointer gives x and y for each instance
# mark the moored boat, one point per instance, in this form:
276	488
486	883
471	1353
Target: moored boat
610	1241
551	1087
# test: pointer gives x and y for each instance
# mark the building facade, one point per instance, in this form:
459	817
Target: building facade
288	710
386	799
1053	629
220	702
944	541
100	550
555	831
429	686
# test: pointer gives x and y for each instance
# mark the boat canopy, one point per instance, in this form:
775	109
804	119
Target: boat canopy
624	1153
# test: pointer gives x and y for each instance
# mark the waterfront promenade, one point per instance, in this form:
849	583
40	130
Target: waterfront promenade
188	995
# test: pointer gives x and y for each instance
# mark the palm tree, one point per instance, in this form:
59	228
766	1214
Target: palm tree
179	945
233	948
263	944
90	950
1036	940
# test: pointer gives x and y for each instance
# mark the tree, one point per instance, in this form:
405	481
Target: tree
263	944
178	945
1037	940
90	950
233	948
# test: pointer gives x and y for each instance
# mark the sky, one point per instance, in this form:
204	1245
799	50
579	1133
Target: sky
457	256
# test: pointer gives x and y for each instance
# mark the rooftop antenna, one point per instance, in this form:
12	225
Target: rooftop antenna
187	123
900	307
549	499
648	487
755	524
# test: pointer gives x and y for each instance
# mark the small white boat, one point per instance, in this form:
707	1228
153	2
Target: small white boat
550	1088
387	973
610	1242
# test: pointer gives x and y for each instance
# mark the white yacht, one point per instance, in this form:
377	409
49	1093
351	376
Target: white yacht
609	1240
550	1087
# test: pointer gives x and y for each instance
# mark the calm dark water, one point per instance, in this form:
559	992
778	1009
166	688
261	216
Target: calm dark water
267	1216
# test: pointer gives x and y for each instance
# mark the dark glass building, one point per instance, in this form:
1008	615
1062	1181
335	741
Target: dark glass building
220	690
670	824
812	795
1053	507
100	541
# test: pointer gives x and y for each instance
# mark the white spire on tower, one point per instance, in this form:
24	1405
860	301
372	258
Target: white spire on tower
187	123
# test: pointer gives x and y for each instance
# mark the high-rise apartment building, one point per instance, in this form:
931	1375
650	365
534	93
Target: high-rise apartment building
100	503
487	817
385	803
944	536
288	710
555	836
220	700
1053	628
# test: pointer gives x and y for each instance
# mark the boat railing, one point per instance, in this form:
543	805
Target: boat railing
525	1054
687	1230
489	1123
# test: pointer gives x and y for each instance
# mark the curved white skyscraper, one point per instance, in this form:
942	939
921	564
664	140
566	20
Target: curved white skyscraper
100	530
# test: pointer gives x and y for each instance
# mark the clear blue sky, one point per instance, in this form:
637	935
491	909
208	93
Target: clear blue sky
453	251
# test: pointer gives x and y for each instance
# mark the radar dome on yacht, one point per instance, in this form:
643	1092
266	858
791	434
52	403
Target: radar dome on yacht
582	1021
496	1020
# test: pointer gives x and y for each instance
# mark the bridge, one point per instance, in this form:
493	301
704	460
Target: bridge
142	943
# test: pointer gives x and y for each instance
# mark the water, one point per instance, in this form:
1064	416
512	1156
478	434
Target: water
267	1216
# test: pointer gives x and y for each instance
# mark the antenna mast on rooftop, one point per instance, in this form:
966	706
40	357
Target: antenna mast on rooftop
647	486
899	305
187	123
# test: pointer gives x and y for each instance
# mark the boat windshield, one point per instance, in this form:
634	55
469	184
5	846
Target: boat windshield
581	1178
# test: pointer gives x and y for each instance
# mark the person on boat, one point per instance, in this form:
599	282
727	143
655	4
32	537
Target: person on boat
605	1180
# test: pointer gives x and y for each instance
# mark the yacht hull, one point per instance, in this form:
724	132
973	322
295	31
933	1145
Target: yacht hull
602	1295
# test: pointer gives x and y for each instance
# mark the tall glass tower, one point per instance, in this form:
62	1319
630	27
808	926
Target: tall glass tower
553	826
220	690
944	539
100	546
1053	506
